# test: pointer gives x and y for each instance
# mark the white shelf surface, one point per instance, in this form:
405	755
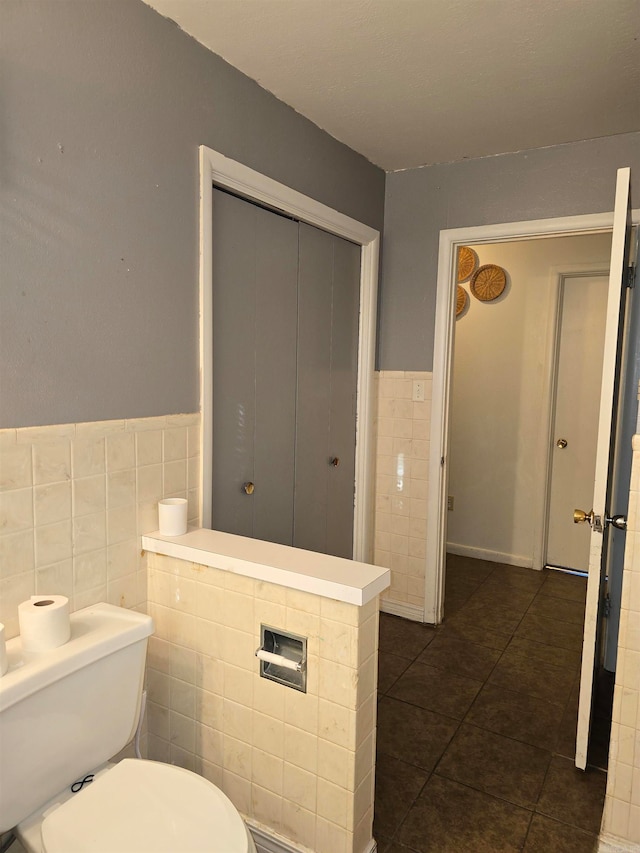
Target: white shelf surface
320	574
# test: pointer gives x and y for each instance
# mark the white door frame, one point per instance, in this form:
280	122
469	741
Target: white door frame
217	169
450	239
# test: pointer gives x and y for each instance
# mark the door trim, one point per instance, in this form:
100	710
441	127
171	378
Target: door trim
450	239
217	169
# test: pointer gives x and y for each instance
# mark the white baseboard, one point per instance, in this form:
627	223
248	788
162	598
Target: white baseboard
613	844
491	556
268	843
399	608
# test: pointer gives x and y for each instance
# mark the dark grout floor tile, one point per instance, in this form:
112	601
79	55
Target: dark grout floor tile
562	585
472	633
562	609
518	716
390	668
436	690
566	742
566	658
493	616
542	681
517	577
498	593
403	637
459	588
496	765
566	635
413	735
551	836
454	603
460	657
573	796
397	786
468	567
452	818
501	780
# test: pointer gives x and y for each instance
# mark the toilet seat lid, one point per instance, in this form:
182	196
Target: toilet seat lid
149	807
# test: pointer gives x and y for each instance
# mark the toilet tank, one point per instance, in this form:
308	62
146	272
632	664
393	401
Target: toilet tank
65	711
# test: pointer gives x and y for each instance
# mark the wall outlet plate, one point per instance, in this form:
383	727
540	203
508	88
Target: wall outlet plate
418	391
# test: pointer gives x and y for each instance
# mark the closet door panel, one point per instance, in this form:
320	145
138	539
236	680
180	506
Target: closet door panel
314	388
234	266
344	374
275	376
254	354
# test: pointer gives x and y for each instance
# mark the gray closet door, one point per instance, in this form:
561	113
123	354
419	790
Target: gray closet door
254	369
285	358
328	314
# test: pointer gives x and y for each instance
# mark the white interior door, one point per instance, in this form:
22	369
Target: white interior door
583	313
603	470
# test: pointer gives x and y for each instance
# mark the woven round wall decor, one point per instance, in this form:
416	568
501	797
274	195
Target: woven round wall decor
467	263
488	282
461	300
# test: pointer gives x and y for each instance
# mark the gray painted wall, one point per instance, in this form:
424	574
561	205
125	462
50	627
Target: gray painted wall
547	182
104	105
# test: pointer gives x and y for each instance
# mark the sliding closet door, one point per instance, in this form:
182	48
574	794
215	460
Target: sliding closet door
328	309
255	271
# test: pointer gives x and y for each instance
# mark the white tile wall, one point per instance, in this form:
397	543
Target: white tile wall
402	462
300	765
622	804
75	499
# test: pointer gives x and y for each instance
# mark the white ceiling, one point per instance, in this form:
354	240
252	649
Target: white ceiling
415	82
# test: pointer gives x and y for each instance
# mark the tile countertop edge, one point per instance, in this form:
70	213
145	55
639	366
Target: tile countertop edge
322	574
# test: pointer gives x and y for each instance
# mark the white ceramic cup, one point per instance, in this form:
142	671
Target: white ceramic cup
172	516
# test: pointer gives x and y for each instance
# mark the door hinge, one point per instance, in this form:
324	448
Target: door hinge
606	609
442	460
631	276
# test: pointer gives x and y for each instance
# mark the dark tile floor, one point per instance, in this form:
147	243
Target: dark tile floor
477	719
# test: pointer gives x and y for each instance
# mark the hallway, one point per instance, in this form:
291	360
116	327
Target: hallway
477	718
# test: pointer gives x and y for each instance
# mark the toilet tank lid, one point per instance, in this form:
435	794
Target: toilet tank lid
96	632
150	807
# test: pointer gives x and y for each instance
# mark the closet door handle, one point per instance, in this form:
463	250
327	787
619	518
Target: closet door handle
335	461
248	488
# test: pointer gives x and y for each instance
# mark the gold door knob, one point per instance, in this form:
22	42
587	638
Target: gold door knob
248	488
335	461
561	443
580	516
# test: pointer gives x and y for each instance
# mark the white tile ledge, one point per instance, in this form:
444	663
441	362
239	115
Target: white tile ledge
307	571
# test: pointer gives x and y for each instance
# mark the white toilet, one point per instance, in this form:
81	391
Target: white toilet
63	714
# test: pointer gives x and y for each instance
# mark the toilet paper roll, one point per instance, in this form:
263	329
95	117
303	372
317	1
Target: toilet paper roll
4	663
172	516
44	622
279	660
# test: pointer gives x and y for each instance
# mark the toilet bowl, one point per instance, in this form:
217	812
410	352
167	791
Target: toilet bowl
141	806
74	707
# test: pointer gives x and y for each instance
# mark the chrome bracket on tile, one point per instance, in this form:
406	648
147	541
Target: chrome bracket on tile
283	657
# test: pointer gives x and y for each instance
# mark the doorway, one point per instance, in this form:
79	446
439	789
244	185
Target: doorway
503	368
443	352
617	331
